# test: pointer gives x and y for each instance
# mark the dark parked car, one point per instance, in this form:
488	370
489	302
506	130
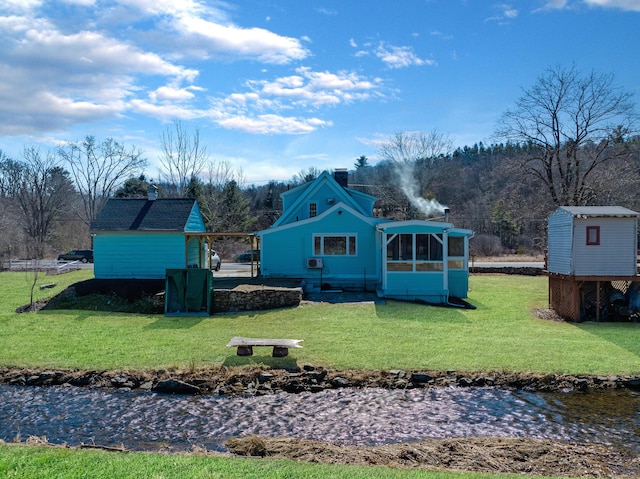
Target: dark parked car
84	255
245	257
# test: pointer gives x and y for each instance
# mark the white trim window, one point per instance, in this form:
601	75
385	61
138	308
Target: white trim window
313	209
334	245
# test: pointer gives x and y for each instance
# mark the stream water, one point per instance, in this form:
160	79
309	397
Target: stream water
148	421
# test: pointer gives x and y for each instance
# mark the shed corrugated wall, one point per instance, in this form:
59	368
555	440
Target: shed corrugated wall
616	253
560	240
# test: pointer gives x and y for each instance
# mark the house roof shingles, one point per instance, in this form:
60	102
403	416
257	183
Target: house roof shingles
144	215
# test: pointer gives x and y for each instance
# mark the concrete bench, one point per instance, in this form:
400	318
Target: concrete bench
280	346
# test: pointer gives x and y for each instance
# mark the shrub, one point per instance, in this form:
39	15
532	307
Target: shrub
485	245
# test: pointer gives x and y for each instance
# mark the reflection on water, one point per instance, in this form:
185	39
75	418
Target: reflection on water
148	421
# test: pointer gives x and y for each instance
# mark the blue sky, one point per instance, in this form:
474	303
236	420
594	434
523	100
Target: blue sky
278	86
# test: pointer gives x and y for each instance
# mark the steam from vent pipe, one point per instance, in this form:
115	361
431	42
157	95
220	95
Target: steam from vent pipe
409	186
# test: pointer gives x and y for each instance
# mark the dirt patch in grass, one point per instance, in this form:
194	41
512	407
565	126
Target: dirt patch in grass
549	314
490	455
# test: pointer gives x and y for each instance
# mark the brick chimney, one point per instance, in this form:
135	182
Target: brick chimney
341	175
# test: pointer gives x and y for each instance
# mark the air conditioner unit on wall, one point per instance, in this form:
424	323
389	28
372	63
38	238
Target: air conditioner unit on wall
314	263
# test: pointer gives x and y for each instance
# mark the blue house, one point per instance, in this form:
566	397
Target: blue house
142	238
329	238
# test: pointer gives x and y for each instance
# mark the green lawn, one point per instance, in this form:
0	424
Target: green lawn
500	335
49	463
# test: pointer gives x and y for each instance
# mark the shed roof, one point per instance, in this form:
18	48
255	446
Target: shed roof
599	211
167	214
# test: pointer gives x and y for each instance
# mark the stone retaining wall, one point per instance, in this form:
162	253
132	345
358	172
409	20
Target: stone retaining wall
523	271
255	298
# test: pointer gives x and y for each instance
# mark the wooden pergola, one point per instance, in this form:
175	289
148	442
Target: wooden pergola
210	237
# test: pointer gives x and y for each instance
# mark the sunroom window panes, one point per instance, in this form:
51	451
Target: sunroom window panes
422	247
435	247
456	246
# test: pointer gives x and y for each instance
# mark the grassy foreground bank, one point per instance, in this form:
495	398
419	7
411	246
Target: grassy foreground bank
54	463
502	334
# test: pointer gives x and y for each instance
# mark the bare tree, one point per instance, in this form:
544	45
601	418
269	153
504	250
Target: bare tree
305	175
219	175
571	124
183	157
99	169
410	147
45	190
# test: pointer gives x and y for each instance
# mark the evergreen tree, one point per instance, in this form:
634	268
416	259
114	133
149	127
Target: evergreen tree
235	210
134	187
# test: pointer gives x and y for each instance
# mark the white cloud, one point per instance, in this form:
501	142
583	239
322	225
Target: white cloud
439	34
506	13
170	94
327	11
632	5
400	57
555	4
260	109
310	88
164	111
169	7
52	80
59	73
270	123
84	3
19	6
90	52
231	40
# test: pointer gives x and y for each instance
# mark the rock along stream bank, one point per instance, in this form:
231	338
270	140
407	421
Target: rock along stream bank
309	378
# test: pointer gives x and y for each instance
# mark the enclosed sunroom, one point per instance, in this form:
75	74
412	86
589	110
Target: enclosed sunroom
424	260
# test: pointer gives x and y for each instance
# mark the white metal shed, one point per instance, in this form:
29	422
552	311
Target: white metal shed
592	241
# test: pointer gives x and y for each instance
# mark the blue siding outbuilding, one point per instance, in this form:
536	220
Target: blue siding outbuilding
592	241
142	238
